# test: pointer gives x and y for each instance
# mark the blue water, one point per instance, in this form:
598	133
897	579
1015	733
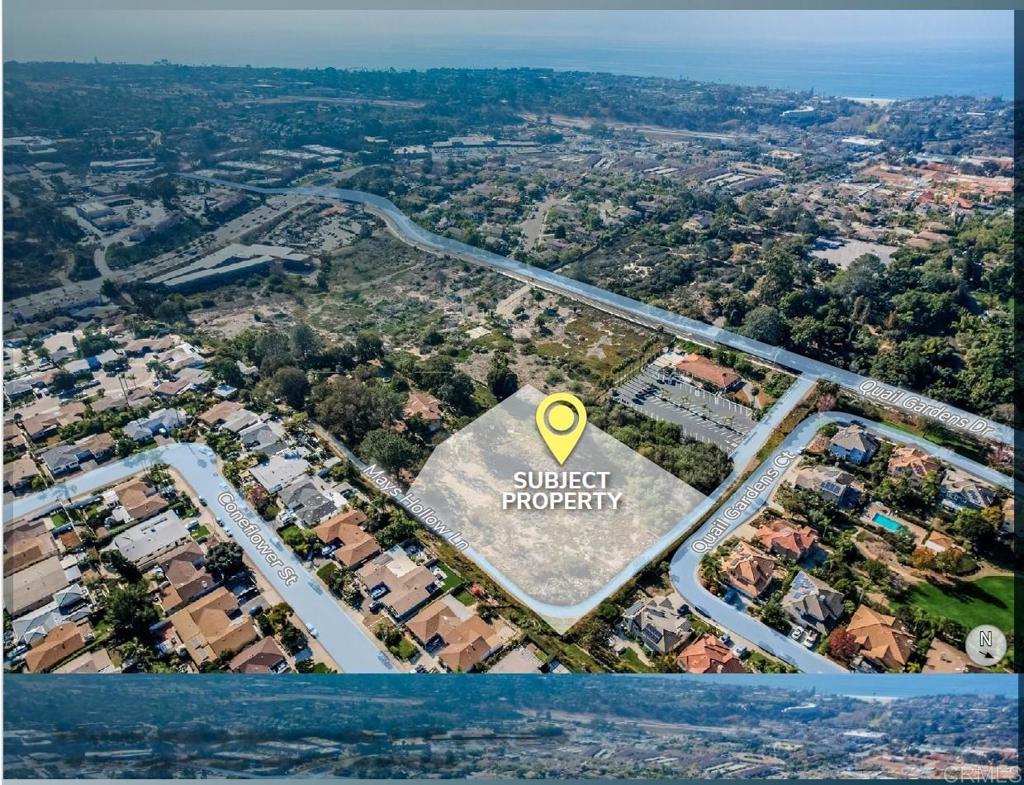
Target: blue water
850	70
887	523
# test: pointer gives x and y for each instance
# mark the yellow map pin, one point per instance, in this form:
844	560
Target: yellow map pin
561	419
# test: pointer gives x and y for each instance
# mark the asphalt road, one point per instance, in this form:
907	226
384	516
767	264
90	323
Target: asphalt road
348	643
408	231
738	510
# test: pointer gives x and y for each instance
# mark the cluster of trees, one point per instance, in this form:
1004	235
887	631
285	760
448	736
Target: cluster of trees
704	466
918	322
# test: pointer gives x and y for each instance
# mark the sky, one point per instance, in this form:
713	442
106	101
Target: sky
33	31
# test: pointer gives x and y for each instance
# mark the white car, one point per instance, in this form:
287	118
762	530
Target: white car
312	630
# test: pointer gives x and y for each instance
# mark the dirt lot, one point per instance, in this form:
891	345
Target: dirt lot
419	303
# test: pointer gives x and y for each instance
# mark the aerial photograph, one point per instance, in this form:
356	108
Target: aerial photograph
668	351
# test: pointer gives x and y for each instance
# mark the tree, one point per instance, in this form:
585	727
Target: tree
369	346
773	614
305	343
351	409
501	379
130	611
128	572
225	369
765	324
291	384
389	449
292	638
973	526
224	558
398	531
62	381
842	646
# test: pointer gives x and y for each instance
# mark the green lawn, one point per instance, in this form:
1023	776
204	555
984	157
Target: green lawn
984	601
631	660
463	595
451	578
404	650
199	532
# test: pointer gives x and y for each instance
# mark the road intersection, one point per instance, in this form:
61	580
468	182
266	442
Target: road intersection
412	233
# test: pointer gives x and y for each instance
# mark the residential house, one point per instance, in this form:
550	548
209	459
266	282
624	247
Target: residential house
787	539
913	462
59	644
943	658
660	623
702	369
212	626
748	571
708	655
140	499
40	426
70	604
264	656
812	603
268	438
461	639
27	544
352	545
960	490
218	413
828	481
426	407
164	421
883	640
144	544
397	583
19	473
97	661
278	472
853	443
33	586
185	574
521	659
306	502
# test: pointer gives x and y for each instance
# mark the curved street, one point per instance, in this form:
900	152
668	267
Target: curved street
740	508
633	310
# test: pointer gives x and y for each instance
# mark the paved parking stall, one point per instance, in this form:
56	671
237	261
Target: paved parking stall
663	394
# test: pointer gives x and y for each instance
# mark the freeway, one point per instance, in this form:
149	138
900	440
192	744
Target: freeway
641	313
349	644
748	500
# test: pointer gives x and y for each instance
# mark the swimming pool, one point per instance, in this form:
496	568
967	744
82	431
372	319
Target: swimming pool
887	523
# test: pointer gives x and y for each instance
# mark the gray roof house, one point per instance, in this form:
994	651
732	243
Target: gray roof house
145	543
306	502
145	428
960	490
830	482
660	623
813	603
854	444
278	472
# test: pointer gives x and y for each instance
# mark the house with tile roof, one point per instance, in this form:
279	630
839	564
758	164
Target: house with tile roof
748	571
702	369
426	407
787	539
352	545
883	640
400	585
459	637
59	644
213	626
708	655
913	462
140	499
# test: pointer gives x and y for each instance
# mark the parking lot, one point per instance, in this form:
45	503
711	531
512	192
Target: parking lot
663	394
